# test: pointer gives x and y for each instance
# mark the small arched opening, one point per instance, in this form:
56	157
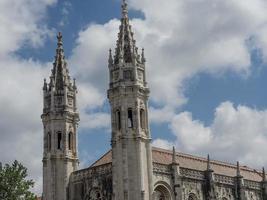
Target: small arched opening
130	118
59	140
142	118
70	140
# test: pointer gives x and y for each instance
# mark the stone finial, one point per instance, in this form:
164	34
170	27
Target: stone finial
124	9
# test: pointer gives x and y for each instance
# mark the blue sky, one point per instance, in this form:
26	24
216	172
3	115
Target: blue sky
206	67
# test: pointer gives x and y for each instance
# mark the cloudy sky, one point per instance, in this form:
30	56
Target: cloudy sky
206	67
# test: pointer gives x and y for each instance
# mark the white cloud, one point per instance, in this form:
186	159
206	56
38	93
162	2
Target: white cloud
21	83
19	24
65	11
161	143
181	38
192	133
21	107
236	133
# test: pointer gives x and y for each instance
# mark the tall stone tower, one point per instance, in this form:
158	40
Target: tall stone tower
60	120
128	96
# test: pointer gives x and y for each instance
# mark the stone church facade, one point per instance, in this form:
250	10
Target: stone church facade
132	169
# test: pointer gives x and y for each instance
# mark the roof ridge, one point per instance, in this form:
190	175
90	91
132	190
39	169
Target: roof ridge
202	159
92	165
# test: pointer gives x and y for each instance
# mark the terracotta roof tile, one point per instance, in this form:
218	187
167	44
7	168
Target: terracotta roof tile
163	156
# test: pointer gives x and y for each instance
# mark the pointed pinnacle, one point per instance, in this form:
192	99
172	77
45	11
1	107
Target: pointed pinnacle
59	40
208	163
110	57
74	84
124	9
263	175
173	155
143	56
238	173
45	85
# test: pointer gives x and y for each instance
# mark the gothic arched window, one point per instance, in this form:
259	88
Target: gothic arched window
59	140
142	118
118	119
192	196
130	118
70	140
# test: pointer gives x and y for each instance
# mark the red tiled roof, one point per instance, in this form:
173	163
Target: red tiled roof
163	156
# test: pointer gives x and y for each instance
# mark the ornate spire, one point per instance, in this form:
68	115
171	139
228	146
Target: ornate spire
60	74
126	50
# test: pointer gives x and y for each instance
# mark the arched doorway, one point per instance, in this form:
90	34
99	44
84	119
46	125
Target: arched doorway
161	193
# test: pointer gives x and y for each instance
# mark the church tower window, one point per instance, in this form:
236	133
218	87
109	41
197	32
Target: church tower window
59	140
130	118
